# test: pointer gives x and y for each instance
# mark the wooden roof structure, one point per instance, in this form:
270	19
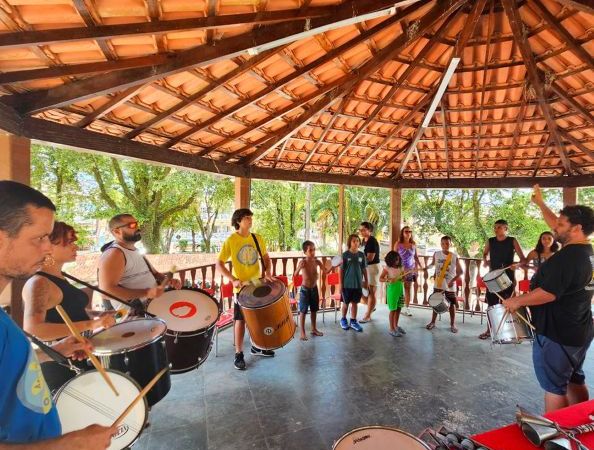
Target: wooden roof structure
299	90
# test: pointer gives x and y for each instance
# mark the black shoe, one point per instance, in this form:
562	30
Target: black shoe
239	362
258	352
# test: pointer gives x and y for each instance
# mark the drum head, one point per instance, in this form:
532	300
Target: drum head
376	438
87	399
185	310
493	274
128	336
336	261
436	298
268	292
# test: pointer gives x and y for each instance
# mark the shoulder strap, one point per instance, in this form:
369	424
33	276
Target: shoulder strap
53	354
259	253
443	271
151	270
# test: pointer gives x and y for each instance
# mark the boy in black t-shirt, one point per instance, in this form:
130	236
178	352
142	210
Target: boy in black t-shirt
560	304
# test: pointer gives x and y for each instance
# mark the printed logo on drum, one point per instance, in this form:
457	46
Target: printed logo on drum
268	331
361	439
182	309
121	431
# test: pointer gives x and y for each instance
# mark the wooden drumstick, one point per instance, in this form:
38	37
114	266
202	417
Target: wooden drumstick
501	323
92	357
520	316
139	397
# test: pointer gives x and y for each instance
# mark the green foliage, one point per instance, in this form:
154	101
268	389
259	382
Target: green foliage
367	205
586	196
183	245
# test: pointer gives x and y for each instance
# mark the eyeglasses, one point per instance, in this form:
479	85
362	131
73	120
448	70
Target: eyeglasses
131	225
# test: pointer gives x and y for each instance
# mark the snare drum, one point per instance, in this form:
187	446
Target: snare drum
267	313
191	316
438	302
497	280
513	330
87	399
137	348
379	438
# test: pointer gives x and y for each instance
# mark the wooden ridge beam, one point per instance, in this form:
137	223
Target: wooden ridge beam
103	32
517	26
94	86
328	56
439	12
395	87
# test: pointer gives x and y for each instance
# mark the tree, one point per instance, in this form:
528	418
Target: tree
214	196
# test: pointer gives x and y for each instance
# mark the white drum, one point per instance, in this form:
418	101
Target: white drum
513	331
379	438
497	280
87	399
438	302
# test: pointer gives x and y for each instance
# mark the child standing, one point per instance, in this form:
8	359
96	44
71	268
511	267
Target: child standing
352	273
308	294
392	274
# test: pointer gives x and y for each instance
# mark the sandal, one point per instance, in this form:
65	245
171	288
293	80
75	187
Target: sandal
453	329
430	326
485	335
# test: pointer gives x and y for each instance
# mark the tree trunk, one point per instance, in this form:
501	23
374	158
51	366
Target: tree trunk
308	212
193	240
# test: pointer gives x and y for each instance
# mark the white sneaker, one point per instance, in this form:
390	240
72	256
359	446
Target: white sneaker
407	312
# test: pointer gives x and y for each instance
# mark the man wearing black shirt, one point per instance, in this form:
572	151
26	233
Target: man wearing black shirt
372	254
560	305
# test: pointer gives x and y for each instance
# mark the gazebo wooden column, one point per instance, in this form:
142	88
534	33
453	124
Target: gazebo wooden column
340	218
569	196
243	187
395	214
15	164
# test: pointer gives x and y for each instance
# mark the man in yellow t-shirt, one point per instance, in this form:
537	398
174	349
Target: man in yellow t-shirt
241	248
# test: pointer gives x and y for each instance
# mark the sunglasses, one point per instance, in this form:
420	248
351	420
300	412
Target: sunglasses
131	225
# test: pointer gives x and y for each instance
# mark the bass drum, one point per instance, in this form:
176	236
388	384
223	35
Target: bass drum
87	399
379	438
191	316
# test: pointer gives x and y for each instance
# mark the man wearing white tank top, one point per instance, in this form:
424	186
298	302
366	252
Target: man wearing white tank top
123	271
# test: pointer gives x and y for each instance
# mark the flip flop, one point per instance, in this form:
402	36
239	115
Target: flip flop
364	320
453	329
430	326
484	336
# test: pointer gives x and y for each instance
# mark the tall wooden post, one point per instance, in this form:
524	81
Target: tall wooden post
395	214
340	218
569	196
243	187
15	165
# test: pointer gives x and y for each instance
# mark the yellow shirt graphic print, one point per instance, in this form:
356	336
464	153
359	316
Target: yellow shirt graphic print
32	389
244	255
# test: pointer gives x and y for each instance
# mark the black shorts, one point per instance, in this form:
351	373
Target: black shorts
309	298
351	295
237	314
493	300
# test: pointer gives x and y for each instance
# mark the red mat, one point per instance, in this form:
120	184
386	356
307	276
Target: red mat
511	437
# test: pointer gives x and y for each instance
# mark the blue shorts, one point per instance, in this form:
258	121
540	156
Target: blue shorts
558	365
350	295
308	298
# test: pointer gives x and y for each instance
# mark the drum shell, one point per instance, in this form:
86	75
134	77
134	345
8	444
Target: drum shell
380	438
271	326
497	281
438	302
187	351
513	331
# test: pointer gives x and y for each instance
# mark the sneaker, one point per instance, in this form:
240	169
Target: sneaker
393	333
344	324
239	362
407	312
401	330
397	334
355	325
259	352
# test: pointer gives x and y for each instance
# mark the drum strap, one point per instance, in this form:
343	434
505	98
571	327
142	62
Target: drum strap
53	354
443	270
259	253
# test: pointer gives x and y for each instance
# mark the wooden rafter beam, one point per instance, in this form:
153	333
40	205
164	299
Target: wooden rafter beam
576	143
103	32
328	56
572	102
439	12
94	86
516	135
109	106
581	5
517	26
542	155
395	87
444	123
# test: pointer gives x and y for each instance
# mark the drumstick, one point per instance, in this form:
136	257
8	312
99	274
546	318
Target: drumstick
518	314
139	397
92	357
501	323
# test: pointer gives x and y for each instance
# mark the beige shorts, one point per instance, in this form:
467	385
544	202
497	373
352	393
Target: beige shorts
373	274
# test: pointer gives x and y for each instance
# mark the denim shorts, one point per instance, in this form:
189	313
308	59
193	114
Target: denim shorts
558	365
309	298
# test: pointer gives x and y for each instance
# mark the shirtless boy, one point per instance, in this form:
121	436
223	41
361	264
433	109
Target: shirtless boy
308	294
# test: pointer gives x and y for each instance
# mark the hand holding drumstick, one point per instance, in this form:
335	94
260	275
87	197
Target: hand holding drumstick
92	357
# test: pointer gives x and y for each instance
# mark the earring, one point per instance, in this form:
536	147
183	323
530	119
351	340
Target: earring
49	261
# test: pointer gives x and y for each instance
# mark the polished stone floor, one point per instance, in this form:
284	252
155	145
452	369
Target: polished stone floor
313	392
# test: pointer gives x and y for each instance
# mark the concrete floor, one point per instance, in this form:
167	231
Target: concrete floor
313	392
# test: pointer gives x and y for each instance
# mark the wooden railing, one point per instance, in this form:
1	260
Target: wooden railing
207	277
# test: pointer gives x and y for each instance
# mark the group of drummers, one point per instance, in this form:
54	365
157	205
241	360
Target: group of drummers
149	327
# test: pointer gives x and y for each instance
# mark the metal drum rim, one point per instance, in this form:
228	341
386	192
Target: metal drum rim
280	297
381	428
132	348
